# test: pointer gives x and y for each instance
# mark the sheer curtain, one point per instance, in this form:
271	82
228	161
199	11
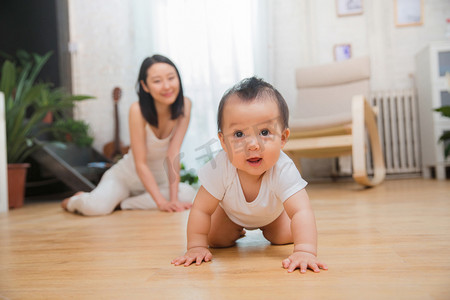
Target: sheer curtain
214	45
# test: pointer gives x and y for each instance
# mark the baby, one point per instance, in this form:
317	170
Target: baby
252	183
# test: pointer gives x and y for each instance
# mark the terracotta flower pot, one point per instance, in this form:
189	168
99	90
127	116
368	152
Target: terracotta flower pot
48	119
17	174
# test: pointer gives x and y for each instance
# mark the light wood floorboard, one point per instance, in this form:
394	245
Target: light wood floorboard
388	242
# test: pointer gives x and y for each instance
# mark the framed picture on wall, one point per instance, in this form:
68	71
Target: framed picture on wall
342	52
349	7
408	12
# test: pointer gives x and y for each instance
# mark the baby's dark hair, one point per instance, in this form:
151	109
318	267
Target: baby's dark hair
254	88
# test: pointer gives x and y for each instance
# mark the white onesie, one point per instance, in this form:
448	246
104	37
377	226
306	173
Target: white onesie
220	178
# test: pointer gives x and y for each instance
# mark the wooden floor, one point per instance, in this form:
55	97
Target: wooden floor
389	242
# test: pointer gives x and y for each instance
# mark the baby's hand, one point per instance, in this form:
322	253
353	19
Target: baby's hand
303	260
197	254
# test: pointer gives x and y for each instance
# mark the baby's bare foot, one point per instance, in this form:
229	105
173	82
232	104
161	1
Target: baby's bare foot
66	201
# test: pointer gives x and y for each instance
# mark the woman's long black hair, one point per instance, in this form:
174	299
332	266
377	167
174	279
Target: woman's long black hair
146	101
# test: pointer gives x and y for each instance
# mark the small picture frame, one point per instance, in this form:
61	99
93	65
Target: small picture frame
342	52
349	7
408	12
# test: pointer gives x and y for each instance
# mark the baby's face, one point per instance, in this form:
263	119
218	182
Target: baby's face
252	134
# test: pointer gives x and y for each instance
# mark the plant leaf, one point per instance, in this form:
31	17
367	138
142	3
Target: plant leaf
24	96
445	136
8	79
444	110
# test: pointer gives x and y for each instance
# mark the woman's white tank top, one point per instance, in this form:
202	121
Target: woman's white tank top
156	156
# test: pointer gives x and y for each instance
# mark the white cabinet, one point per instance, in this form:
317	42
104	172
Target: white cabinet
433	87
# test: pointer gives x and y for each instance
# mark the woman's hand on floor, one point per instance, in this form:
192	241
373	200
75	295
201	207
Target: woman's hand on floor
174	206
182	205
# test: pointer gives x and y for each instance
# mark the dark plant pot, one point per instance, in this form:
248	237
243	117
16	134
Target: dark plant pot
17	174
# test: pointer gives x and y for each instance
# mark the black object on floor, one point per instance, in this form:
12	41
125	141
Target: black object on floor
80	168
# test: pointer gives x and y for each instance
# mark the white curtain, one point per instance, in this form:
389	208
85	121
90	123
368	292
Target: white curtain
214	45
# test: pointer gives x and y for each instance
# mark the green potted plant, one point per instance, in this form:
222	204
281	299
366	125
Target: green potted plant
73	131
445	137
23	94
188	176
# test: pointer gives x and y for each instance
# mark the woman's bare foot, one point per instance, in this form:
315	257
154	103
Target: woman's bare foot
66	201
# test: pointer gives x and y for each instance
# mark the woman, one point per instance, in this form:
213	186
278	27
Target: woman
148	175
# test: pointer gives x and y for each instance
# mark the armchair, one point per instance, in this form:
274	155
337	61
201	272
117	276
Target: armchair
332	116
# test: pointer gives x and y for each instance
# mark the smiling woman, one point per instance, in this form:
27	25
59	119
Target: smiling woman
162	83
148	176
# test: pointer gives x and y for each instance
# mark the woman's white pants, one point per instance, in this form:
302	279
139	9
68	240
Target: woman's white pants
115	189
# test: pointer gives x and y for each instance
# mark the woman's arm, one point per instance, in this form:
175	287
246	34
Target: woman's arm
173	153
137	125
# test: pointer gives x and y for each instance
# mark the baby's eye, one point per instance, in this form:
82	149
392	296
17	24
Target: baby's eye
238	134
265	132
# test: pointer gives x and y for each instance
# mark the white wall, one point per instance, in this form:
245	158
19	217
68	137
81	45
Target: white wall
102	34
306	31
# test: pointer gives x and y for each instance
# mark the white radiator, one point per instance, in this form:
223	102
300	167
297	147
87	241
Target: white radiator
398	126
